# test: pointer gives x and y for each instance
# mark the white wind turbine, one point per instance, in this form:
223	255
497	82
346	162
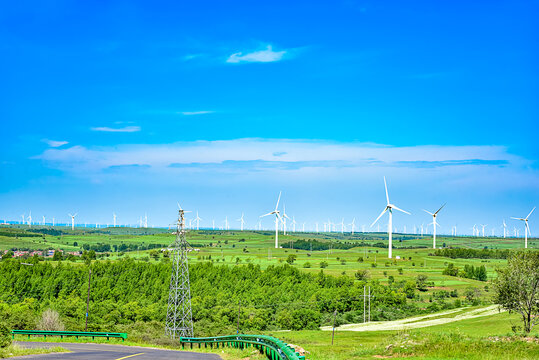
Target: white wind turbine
526	227
283	219
303	228
242	222
483	229
504	229
226	222
353	225
317	227
277	219
145	220
72	221
342	226
389	208
434	224
29	219
197	219
114	219
23	219
43	223
293	224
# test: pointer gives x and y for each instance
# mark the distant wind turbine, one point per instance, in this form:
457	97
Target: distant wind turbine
483	229
242	222
526	227
504	229
276	212
389	208
353	225
72	221
434	224
197	219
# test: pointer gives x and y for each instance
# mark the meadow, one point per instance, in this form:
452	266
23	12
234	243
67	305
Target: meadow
254	251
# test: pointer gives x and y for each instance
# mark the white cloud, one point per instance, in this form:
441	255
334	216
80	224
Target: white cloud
127	129
55	143
267	55
293	155
188	113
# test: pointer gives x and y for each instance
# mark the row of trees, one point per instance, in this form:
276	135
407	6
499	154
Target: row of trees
473	253
469	272
126	292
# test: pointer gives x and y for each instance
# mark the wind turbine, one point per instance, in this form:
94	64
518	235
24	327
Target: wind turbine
434	224
526	227
342	226
303	228
226	222
317	227
389	208
293	224
504	229
43	223
53	221
353	225
23	219
483	229
283	219
114	217
145	220
242	222
29	219
277	219
73	221
197	219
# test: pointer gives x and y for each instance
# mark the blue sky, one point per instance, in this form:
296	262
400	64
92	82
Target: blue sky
132	106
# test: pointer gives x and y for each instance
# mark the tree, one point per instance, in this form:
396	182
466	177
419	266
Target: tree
362	275
5	336
57	256
291	258
421	282
516	288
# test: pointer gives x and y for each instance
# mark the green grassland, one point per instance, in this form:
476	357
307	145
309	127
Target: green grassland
257	247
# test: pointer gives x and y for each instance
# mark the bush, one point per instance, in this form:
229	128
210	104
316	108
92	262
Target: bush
323	264
307	265
362	275
50	321
5	336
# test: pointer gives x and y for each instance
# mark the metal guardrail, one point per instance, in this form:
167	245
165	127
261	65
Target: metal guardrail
91	334
273	348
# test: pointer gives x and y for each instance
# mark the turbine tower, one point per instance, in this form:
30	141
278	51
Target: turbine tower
483	229
293	224
114	218
389	208
276	212
504	229
242	222
353	225
72	221
29	219
434	224
197	219
283	219
179	321
526	227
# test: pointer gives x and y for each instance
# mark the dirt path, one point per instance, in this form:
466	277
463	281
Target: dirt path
420	321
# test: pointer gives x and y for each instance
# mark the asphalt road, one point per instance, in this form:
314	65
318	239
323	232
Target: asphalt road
111	352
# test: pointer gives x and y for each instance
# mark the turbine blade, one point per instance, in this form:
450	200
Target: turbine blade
396	208
387	195
271	213
428	212
278	199
379	216
441	207
530	212
514	218
529	231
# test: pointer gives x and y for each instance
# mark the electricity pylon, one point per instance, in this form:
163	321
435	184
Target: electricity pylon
179	317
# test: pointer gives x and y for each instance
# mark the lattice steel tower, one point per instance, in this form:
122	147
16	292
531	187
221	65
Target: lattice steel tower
179	317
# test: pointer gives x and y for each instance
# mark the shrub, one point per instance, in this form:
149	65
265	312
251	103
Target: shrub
323	264
307	265
5	336
362	275
50	321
